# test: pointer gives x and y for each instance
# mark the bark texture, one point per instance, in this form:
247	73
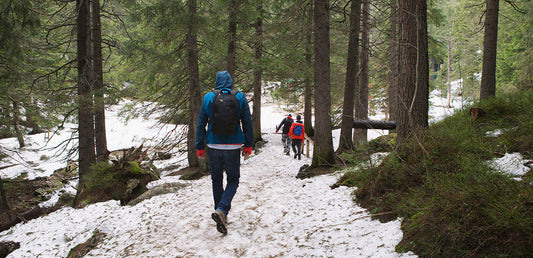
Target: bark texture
351	80
393	62
194	83
413	76
258	73
85	100
232	43
97	81
308	95
488	75
361	105
323	154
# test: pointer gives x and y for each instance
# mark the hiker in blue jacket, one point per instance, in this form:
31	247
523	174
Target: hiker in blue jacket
224	150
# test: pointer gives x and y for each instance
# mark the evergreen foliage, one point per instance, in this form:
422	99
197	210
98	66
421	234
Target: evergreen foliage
145	59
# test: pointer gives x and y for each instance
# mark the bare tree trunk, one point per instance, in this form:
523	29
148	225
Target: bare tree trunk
16	119
448	72
350	85
393	62
413	76
232	44
4	203
323	154
488	75
361	107
308	94
421	106
258	72
194	83
98	82
85	101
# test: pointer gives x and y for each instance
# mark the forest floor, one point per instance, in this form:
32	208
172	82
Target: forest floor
273	214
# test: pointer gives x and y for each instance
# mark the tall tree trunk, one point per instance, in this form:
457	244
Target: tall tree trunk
85	101
232	44
350	85
488	75
98	81
413	76
16	119
308	74
422	105
361	106
448	73
258	72
393	62
194	83
4	203
323	154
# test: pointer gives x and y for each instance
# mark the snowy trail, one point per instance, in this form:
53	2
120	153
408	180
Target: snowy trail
273	214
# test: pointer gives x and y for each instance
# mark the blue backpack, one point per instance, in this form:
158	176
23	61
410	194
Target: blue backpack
297	130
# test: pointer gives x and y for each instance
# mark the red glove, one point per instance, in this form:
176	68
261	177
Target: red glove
200	154
247	151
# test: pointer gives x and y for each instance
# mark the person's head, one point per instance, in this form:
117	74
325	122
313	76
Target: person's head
224	80
298	117
289	116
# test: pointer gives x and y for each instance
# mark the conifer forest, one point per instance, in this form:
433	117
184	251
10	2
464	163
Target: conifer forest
335	61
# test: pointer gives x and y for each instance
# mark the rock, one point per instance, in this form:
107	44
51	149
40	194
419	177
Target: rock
7	247
158	190
160	155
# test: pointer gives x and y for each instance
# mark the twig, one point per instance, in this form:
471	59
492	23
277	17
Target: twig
350	221
8	166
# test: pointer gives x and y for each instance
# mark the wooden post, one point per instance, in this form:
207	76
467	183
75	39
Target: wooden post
309	141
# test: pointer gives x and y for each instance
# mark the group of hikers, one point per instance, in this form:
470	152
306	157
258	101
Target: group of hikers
223	111
292	135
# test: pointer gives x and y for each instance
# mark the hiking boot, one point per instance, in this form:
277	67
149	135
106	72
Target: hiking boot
220	218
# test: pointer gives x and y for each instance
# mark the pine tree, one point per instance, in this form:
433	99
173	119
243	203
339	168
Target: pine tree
323	154
413	79
351	82
488	75
194	82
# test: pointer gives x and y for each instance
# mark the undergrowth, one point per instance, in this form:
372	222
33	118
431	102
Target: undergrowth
452	203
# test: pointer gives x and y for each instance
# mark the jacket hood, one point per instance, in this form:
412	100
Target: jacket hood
224	80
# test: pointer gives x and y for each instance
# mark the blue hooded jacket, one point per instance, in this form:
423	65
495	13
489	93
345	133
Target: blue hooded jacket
244	135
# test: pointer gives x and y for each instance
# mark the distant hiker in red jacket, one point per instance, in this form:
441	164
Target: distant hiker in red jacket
285	139
297	134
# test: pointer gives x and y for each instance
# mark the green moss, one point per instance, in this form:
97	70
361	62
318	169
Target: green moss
134	168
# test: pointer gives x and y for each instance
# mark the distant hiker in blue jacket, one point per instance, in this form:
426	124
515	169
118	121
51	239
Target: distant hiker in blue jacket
224	138
285	139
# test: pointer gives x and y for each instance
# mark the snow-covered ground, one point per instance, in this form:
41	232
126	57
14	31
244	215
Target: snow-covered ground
273	214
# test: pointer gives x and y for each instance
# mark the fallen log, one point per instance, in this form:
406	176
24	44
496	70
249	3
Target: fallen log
374	124
30	214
